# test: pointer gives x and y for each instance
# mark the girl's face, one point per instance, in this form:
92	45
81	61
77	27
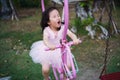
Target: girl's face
54	19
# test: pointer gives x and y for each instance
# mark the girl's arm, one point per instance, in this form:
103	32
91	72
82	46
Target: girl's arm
46	41
73	37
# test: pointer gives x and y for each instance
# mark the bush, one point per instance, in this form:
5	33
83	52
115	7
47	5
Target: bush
81	24
117	2
28	3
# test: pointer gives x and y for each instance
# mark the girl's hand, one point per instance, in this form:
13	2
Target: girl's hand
76	41
52	47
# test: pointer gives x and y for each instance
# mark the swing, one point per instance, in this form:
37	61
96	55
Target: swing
64	70
112	76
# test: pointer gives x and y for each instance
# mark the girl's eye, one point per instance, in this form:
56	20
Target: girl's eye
54	16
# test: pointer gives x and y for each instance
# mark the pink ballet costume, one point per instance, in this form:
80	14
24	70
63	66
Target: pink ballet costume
52	57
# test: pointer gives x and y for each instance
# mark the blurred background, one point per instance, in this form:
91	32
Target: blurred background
96	22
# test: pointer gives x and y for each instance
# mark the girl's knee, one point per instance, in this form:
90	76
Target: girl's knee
45	68
69	65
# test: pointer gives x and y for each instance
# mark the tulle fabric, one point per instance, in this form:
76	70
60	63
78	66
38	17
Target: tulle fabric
39	55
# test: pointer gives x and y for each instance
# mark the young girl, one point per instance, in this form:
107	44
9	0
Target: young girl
52	34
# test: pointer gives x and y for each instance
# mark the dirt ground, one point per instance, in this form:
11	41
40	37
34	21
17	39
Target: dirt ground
89	74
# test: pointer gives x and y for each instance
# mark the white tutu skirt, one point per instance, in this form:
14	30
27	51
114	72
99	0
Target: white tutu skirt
40	55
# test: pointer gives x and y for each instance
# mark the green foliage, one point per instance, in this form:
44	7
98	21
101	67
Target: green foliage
16	3
81	24
117	2
87	21
86	3
0	6
29	3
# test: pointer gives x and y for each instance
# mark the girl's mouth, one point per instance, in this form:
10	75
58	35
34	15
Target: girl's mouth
59	22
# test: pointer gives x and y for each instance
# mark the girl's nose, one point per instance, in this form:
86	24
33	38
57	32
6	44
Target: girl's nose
59	17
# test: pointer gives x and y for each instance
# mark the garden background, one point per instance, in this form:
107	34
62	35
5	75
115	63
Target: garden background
16	38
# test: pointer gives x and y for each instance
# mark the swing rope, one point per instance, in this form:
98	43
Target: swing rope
42	5
66	17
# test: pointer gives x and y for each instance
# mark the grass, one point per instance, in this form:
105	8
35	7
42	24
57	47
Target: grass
16	37
114	57
15	41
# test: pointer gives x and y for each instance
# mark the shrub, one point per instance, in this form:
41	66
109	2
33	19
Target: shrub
28	3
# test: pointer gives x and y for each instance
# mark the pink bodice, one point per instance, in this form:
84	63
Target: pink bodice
54	38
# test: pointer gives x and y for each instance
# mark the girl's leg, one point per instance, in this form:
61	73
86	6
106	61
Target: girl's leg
45	71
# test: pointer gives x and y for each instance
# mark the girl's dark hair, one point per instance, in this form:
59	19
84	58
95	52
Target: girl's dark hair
45	17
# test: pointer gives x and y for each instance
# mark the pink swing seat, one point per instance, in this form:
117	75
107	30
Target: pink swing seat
111	76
